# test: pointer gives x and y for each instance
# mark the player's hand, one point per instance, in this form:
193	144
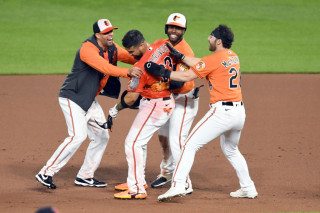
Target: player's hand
113	112
157	70
106	125
135	72
109	123
175	53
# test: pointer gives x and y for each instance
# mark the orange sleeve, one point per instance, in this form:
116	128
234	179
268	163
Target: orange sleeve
89	54
124	56
184	48
205	66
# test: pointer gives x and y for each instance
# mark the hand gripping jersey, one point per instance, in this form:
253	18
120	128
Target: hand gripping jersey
222	71
184	48
157	52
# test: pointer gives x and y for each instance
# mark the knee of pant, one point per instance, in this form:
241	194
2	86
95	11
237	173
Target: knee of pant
230	152
192	146
104	134
80	137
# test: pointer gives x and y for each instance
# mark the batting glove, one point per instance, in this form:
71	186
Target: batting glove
113	112
175	53
157	70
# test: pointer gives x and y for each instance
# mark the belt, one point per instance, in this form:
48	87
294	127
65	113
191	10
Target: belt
230	103
165	98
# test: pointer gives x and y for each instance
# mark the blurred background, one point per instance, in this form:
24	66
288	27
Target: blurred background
271	36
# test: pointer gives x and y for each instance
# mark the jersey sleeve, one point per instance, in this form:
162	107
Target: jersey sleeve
124	56
205	66
89	54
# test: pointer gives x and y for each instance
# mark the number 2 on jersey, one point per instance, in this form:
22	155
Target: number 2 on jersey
234	75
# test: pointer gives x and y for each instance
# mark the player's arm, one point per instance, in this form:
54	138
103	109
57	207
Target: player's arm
160	71
128	100
188	60
124	55
89	54
183	76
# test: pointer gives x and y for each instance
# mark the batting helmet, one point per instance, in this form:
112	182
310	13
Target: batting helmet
176	19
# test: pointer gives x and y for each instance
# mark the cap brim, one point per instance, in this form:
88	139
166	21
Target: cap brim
176	24
108	29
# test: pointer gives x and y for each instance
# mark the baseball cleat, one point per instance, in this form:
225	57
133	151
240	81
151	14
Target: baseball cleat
189	190
245	194
171	193
160	181
126	195
124	187
46	181
92	182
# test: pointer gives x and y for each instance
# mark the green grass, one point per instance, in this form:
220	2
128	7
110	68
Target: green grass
277	36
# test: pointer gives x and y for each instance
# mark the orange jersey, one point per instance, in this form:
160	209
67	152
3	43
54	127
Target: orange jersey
184	48
89	54
222	71
123	56
157	52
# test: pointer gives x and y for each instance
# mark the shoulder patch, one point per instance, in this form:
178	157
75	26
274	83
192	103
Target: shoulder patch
200	66
183	67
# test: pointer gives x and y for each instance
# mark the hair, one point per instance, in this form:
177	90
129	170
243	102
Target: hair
227	36
132	38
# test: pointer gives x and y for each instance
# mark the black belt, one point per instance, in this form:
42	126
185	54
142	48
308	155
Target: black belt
230	103
165	98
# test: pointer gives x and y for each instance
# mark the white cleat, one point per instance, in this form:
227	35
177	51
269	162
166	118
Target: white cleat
172	192
189	190
245	194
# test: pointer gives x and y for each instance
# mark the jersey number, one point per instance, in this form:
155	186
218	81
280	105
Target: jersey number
168	62
234	75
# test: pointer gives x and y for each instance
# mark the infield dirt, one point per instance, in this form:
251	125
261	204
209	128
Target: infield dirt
280	142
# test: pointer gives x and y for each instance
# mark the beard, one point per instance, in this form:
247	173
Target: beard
213	47
174	39
138	57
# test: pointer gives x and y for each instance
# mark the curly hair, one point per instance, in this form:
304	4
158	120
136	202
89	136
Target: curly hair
132	38
226	35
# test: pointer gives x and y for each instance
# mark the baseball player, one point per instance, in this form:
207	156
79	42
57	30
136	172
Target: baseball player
91	75
226	116
154	110
173	134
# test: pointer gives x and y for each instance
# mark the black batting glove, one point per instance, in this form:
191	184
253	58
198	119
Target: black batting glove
109	123
175	53
106	125
157	70
175	84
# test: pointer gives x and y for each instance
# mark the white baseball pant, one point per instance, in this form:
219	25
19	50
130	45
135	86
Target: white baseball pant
176	130
226	122
152	114
80	125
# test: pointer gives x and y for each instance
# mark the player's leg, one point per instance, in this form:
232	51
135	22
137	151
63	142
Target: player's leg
207	129
180	124
229	142
99	138
77	130
150	118
166	165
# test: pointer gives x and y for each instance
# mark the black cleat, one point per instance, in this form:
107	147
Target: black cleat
46	181
160	181
89	182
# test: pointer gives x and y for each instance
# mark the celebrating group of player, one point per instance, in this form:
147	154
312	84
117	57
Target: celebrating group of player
163	90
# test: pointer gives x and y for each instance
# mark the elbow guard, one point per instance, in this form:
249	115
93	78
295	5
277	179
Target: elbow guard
135	105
